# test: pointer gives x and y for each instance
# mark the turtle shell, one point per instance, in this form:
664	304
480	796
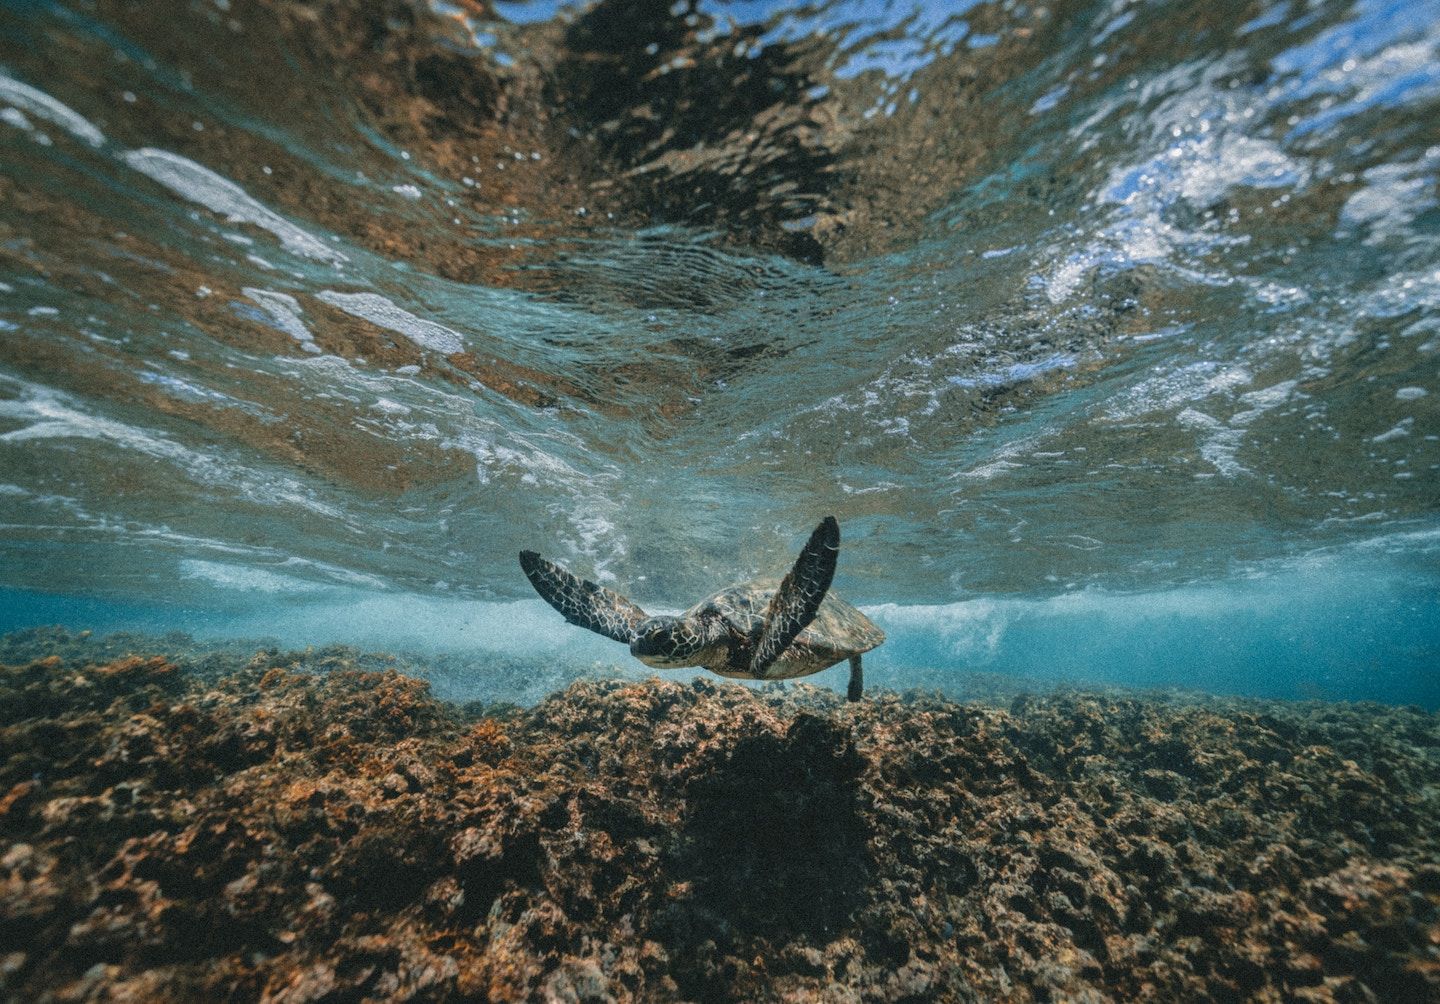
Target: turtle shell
838	631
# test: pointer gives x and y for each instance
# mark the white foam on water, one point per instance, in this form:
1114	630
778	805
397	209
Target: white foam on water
397	404
16	118
1219	442
971	630
29	99
1170	389
394	404
1263	400
1394	196
221	195
1407	73
381	312
1399	431
243	578
337	573
586	509
184	389
917	384
976	631
1015	372
1202	170
1049	99
52	415
129	529
1005	457
277	574
1401	292
1200	141
284	310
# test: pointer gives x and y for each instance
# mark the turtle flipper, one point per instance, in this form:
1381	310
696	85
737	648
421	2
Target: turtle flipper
580	602
798	599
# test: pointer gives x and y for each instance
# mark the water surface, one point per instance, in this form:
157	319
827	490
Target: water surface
1110	332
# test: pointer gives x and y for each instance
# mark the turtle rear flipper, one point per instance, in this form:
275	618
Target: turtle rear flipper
798	599
580	602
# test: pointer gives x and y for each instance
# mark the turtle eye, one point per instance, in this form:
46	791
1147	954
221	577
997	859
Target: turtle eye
651	641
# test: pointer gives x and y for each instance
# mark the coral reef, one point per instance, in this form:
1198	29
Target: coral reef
342	835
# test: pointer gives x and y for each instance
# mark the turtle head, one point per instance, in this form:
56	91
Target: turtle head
670	642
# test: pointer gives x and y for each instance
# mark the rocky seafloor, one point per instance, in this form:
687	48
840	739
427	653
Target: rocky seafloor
234	828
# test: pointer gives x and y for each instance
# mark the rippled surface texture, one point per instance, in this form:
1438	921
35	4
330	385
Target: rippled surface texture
1091	298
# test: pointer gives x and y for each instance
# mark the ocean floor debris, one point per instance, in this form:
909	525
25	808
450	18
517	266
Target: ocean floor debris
280	833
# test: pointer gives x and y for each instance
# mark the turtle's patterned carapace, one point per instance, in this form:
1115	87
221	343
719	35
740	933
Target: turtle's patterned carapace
746	631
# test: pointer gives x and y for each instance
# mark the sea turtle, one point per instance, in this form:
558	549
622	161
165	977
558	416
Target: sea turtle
749	632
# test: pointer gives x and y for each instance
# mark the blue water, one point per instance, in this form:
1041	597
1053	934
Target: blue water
1293	632
1111	334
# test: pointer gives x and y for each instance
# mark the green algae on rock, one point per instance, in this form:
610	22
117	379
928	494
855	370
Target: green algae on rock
306	836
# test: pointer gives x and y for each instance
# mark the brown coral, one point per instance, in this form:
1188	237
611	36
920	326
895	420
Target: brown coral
306	836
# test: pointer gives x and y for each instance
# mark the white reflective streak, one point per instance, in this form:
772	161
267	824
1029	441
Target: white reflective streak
221	195
284	311
377	310
49	414
41	105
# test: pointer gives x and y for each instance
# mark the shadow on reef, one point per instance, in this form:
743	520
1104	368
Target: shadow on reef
276	832
774	841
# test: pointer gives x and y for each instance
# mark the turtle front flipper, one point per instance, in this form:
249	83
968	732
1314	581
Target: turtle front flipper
795	603
580	602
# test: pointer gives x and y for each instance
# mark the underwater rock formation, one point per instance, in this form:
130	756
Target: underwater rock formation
280	833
